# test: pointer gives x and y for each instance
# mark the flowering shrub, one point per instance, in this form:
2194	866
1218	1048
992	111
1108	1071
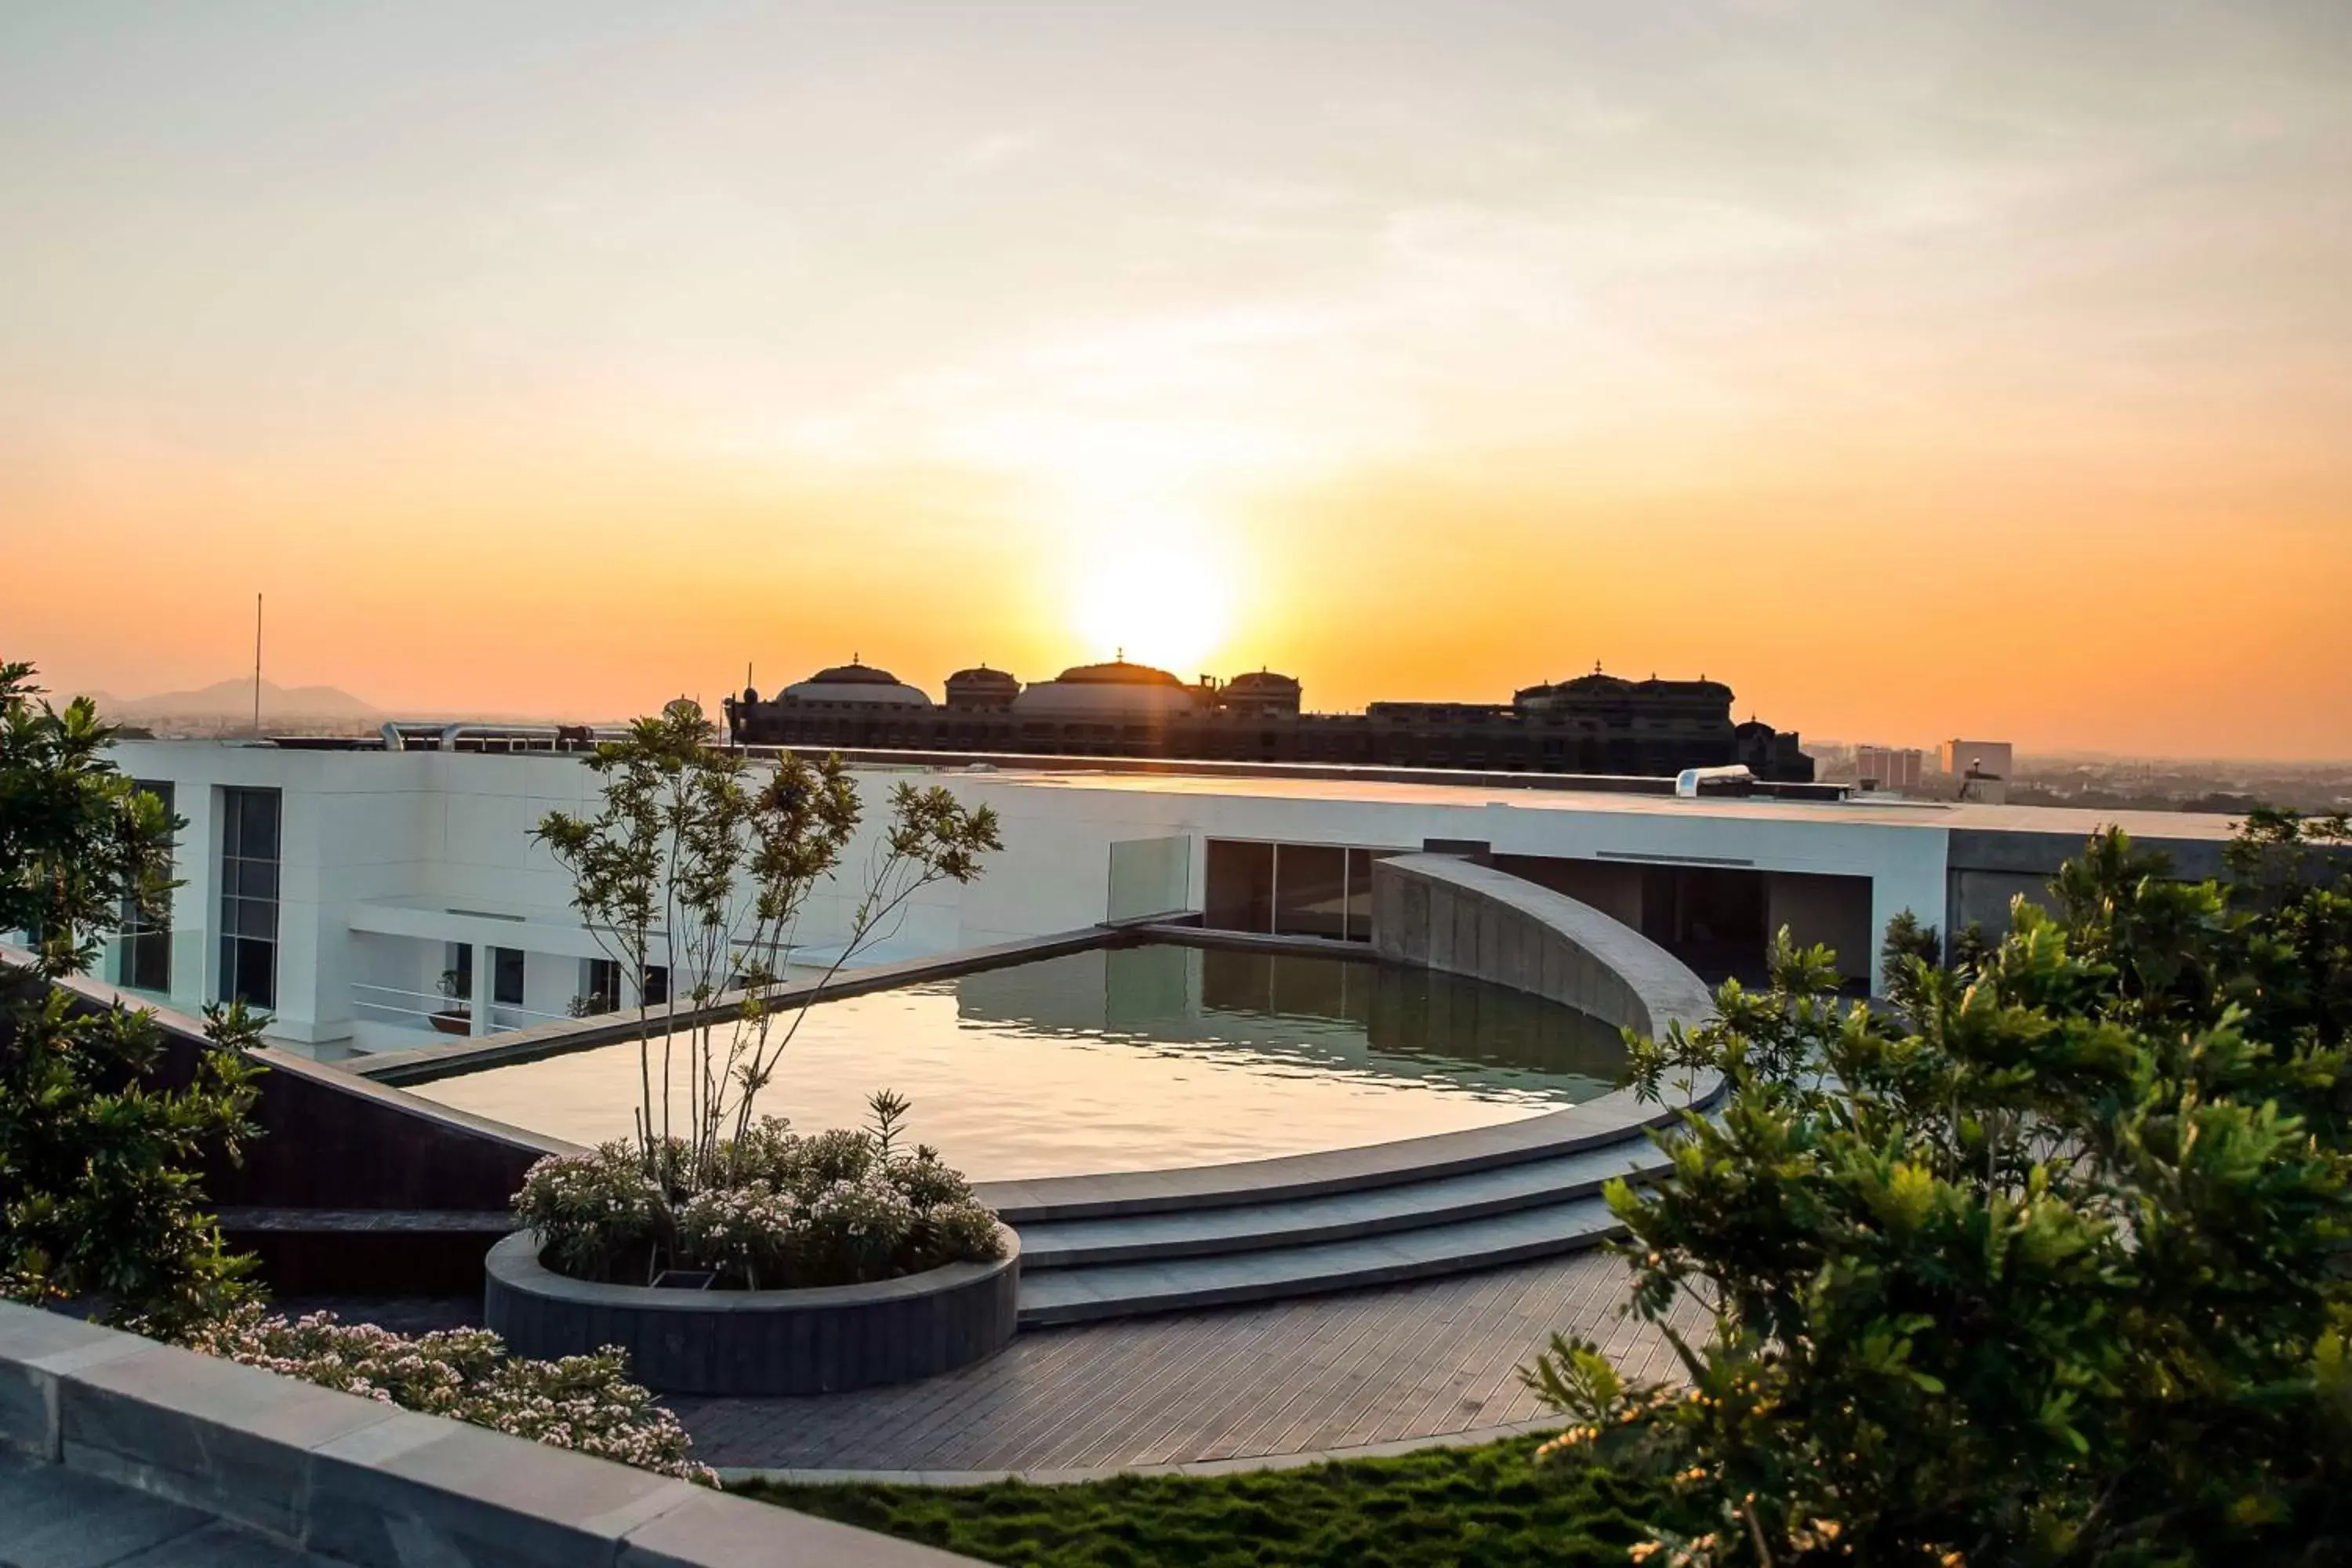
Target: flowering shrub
590	1207
783	1212
582	1402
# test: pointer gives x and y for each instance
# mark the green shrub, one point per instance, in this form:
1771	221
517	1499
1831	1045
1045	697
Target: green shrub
2045	1264
101	1197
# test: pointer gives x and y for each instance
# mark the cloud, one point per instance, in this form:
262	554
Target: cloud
1001	147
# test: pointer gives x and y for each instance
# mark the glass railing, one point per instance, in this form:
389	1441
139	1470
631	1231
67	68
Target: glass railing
441	1014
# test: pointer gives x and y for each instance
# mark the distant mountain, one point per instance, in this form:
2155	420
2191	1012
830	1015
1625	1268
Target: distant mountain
234	699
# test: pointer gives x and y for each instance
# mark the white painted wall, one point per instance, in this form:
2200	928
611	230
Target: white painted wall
435	847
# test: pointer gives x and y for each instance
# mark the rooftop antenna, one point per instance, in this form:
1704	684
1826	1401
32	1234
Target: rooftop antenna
257	664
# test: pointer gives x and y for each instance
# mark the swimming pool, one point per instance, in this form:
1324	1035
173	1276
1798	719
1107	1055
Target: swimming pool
1131	1059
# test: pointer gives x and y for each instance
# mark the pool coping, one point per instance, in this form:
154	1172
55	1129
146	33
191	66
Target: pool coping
425	1063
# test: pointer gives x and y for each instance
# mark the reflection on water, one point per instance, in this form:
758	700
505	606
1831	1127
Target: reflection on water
1137	1058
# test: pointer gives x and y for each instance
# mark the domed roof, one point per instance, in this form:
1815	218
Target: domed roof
852	674
1118	672
855	683
980	674
1262	680
1117	687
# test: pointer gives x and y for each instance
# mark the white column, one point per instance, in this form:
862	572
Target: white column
485	983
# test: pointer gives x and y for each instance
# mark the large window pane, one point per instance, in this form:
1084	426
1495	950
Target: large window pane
256	824
1240	893
1310	895
1360	896
249	917
146	943
602	986
506	975
249	972
248	905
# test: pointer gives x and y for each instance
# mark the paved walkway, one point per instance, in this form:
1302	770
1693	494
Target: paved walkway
1404	1362
1428	1359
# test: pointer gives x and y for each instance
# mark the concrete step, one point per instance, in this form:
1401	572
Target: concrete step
1339	1217
1180	1284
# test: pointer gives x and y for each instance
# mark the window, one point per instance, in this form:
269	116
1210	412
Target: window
506	975
458	970
1310	884
1359	895
146	951
656	984
248	930
1239	886
601	985
1291	890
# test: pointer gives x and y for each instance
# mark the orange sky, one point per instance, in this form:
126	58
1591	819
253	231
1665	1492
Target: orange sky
1916	370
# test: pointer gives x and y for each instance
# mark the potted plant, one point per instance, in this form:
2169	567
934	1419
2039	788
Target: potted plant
453	1020
726	1254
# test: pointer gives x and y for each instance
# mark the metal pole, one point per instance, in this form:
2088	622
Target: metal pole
257	664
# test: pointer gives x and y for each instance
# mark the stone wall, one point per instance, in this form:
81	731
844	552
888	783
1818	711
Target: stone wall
356	1481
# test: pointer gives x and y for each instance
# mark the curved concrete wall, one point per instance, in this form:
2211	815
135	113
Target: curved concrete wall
1441	912
826	1340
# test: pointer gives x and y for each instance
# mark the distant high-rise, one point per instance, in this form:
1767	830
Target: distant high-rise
1889	767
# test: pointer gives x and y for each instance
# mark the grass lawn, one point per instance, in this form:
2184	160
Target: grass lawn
1485	1506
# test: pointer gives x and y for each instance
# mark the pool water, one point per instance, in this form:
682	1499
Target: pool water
1134	1058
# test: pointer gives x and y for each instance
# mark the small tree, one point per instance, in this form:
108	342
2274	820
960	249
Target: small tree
2045	1264
100	1195
698	853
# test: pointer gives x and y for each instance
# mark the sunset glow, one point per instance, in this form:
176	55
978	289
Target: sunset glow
1916	370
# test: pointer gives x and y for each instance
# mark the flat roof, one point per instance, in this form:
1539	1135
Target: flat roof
1864	812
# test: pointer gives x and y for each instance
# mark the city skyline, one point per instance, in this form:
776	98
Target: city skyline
1914	373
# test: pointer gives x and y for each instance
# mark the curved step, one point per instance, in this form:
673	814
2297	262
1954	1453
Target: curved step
1340	1216
1125	1289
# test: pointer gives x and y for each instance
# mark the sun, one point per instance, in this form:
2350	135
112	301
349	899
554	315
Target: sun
1164	602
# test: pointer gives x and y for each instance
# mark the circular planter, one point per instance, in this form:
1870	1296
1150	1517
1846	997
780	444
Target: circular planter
820	1340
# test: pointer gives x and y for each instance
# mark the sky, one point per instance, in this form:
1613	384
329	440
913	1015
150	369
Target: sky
1919	369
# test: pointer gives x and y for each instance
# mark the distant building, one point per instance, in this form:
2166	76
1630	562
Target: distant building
1593	724
1995	759
1889	767
1979	769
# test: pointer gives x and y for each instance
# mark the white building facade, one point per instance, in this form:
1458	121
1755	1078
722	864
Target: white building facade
341	887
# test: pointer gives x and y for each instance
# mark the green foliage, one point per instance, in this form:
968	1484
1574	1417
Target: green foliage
2045	1264
1485	1506
77	838
100	1192
772	1211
